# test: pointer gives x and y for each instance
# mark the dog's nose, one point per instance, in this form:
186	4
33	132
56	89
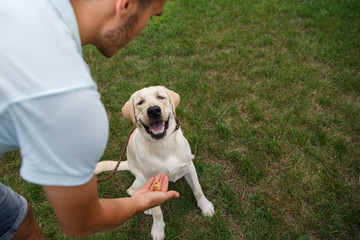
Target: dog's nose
154	112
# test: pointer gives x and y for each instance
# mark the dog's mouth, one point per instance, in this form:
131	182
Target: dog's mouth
157	129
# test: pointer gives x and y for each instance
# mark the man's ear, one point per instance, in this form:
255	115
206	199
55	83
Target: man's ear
128	110
174	99
123	6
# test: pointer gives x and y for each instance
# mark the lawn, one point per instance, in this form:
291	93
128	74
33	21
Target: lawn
270	104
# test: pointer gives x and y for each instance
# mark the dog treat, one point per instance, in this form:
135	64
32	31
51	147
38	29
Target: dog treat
156	186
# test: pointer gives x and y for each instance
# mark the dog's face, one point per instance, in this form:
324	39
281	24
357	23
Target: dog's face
152	110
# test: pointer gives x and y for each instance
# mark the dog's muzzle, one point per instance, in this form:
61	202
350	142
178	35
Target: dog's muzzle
157	128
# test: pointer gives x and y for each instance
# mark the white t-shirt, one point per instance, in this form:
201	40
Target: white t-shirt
49	104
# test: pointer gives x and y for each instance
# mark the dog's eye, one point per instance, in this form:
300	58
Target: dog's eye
160	97
141	102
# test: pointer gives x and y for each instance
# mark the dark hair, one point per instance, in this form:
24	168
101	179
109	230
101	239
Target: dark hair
143	4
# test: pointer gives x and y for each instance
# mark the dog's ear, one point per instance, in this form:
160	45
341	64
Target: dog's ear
128	110
174	99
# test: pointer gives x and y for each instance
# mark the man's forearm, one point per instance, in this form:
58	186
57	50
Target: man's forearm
109	214
81	212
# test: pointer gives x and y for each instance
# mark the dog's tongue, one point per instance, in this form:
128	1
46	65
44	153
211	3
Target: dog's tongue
157	127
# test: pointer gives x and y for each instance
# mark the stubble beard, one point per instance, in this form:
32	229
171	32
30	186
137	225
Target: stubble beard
117	38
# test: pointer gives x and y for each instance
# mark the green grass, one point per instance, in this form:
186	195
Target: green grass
270	103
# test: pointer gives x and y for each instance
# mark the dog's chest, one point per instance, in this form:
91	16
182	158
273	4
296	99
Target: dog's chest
170	157
173	165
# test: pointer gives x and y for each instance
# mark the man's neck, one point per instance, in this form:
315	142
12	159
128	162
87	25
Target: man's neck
90	19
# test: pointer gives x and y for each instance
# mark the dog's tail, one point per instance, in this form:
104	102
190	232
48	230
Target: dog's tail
109	165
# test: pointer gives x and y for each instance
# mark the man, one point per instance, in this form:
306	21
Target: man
50	109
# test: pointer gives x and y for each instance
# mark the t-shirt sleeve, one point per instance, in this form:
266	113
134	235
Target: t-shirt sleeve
61	137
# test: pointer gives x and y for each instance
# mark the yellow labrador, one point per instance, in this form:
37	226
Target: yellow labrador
157	146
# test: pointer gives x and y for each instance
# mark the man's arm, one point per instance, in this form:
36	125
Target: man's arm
81	212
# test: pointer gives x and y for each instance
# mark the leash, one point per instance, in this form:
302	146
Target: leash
123	152
120	158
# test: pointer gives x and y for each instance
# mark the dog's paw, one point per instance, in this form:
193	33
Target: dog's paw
130	191
158	231
149	212
207	208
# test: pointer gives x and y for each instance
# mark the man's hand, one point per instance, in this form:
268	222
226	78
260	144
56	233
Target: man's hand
81	212
151	198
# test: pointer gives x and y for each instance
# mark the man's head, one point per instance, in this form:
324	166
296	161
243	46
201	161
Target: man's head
111	24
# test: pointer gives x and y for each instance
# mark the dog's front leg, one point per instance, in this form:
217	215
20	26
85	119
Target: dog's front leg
137	184
207	208
158	227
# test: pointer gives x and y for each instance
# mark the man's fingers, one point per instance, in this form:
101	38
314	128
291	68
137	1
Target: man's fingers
164	183
172	194
158	177
163	179
148	184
